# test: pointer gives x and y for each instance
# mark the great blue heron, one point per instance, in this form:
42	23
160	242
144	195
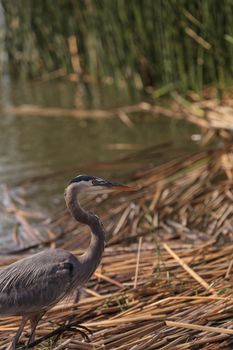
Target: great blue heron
31	286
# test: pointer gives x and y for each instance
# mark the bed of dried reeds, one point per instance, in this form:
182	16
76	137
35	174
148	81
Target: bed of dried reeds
165	281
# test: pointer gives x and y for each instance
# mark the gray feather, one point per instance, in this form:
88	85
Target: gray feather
37	281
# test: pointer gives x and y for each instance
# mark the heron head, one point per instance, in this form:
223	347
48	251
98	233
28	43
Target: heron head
91	182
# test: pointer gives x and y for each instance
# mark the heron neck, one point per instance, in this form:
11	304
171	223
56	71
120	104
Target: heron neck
92	256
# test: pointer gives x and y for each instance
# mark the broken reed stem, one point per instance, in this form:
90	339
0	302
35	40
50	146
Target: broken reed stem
137	263
192	273
200	298
122	320
229	269
108	279
199	327
63	345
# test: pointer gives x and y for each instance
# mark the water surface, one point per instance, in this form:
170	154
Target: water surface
50	150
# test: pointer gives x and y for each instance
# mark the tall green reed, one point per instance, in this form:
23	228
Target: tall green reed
180	44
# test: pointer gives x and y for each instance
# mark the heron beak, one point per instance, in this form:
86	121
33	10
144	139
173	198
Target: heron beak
116	186
121	187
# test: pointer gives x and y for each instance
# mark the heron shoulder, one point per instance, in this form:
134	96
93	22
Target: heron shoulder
30	270
38	281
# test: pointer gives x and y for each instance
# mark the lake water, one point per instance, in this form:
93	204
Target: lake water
40	154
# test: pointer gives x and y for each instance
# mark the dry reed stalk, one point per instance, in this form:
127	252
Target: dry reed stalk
138	259
199	327
189	270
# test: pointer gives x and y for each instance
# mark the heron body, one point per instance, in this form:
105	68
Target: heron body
42	275
31	286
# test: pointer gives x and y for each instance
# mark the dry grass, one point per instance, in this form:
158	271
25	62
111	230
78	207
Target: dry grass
165	281
124	317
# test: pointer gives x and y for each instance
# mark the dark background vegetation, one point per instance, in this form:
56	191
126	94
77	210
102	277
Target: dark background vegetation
168	44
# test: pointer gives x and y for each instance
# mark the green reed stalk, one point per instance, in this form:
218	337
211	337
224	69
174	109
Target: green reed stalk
180	43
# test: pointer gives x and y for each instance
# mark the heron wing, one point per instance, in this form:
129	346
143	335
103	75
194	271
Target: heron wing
36	282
